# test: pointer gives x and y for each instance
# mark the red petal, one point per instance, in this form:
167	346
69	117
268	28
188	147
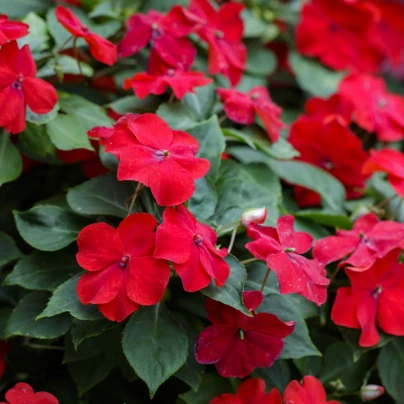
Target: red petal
102	50
12	110
344	309
69	21
20	393
311	391
366	312
229	21
214	265
136	38
252	299
252	390
40	96
13	30
333	248
144	84
185	82
225	398
300	241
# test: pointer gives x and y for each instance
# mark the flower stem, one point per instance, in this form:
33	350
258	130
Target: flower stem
334	274
61	47
76	56
264	282
232	239
245	262
385	201
134	196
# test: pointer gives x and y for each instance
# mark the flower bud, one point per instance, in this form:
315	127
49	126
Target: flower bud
254	216
371	391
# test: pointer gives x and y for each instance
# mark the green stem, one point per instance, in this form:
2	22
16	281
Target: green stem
232	239
245	262
264	282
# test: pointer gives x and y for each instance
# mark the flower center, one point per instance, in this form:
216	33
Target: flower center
381	102
17	84
124	261
219	34
161	153
198	239
241	332
333	27
171	72
255	96
376	292
290	249
85	30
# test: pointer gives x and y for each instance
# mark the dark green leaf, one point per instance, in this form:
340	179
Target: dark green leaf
326	218
43	271
5	313
8	250
23	320
41	119
48	228
155	345
204	200
278	375
200	104
133	104
103	195
176	115
65	299
260	62
35	141
10	160
18	8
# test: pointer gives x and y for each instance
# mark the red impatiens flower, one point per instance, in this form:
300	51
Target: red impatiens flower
332	147
339	33
375	296
369	239
19	87
237	344
311	391
280	248
23	393
251	391
102	50
158	157
336	107
11	30
160	76
375	109
391	162
123	274
241	108
190	245
222	29
165	33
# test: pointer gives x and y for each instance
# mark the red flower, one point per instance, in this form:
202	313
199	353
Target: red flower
165	33
158	157
369	239
332	147
222	29
375	296
102	50
311	391
11	30
391	162
339	33
375	109
19	87
241	108
123	274
160	76
23	393
251	391
237	344
280	248
336	107
190	245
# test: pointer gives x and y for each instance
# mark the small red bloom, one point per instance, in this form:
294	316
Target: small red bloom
391	162
369	240
160	76
241	108
165	33
311	391
190	245
339	33
102	50
251	391
336	107
280	248
375	296
19	87
237	344
11	30
158	157
123	274
332	147
375	109
223	30
23	393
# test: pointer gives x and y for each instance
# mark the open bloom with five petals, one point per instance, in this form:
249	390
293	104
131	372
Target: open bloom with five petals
23	393
190	245
281	249
158	157
374	297
122	272
236	343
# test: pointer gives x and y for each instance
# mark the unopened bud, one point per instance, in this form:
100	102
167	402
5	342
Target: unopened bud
371	391
254	216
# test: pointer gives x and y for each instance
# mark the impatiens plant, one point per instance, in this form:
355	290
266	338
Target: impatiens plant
202	202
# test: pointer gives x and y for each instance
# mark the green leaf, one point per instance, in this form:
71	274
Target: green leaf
278	375
89	348
256	186
230	293
211	143
65	299
41	119
38	37
339	364
5	313
18	8
204	200
8	250
299	173
10	160
43	271
176	115
103	195
155	345
325	218
313	77
65	64
261	62
133	104
48	228
35	141
390	365
23	320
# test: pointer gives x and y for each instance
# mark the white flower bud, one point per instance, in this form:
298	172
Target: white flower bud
371	391
254	216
